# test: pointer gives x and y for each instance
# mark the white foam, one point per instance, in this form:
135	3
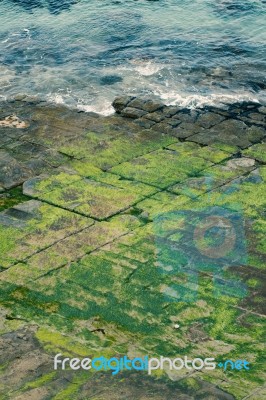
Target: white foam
146	68
55	98
104	108
198	101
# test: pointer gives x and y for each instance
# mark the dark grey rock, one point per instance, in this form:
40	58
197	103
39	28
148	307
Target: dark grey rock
23	151
146	105
248	120
170	111
189	116
137	103
36	165
155	116
131	112
173	122
262	110
151	106
232	126
121	102
256	134
232	132
145	123
12	173
163	127
209	119
185	130
224	113
258	117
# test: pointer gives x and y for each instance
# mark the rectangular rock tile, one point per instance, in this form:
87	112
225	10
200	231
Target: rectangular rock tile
69	249
259	393
240	388
141	238
130	112
245	193
98	287
157	116
46	183
164	127
209	153
160	203
10	198
187	115
228	148
114	298
231	132
31	227
246	197
131	250
214	176
257	151
107	152
87	196
22	151
26	151
256	241
144	123
87	170
209	119
163	167
194	187
12	172
254	280
146	105
50	136
256	134
186	130
56	134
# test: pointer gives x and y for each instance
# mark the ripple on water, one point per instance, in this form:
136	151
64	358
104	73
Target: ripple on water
86	52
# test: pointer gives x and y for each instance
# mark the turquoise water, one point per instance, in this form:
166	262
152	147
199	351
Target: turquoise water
84	53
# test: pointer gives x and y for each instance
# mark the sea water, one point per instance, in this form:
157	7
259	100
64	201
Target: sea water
84	53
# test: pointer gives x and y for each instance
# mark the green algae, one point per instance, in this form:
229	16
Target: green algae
70	248
33	226
72	388
96	199
11	198
9	237
257	151
213	177
225	147
54	341
160	203
44	379
107	153
44	184
120	284
161	168
212	154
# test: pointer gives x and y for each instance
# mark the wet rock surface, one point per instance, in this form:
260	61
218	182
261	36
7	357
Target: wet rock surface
80	198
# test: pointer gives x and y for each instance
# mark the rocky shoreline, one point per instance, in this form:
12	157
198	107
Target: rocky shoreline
239	125
79	194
